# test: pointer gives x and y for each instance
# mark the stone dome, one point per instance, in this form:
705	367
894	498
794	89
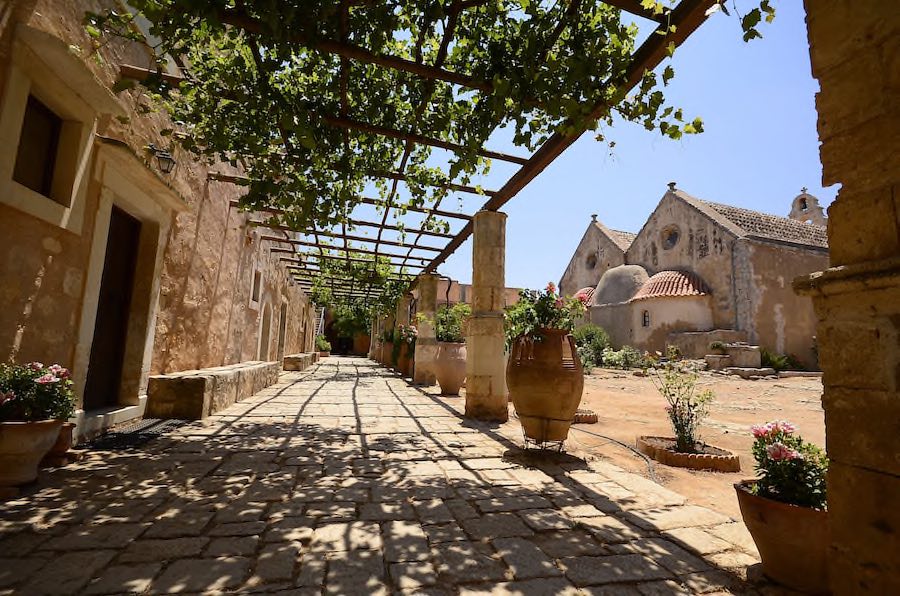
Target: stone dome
619	284
667	284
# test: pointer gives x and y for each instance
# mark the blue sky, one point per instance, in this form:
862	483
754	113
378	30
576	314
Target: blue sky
760	146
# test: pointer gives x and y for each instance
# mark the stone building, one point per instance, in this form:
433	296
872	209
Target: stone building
699	271
110	266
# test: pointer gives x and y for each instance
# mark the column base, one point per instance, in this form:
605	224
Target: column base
423	367
489	408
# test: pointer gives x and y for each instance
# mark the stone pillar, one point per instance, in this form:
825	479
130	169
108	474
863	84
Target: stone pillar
402	313
375	334
854	49
426	344
485	343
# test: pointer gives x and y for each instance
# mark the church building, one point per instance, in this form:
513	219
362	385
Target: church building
698	271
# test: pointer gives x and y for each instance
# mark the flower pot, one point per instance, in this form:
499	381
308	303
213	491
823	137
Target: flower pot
324	354
792	541
64	441
404	360
22	446
387	350
545	382
450	366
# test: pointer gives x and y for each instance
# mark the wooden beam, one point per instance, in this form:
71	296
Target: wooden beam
354	222
331	247
349	237
686	17
354	238
350	124
343	258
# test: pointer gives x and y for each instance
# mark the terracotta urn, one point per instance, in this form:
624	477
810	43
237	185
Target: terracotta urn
450	366
387	351
22	447
324	354
404	359
792	541
545	382
64	442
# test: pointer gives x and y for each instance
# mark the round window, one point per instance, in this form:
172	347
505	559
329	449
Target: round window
670	237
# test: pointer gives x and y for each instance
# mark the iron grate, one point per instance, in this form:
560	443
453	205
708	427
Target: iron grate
134	434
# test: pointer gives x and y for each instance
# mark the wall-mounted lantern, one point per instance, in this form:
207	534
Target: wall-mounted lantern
163	158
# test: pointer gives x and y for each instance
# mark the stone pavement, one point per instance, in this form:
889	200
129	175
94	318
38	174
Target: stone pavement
344	479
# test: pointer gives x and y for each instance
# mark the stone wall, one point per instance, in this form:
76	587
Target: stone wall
855	53
773	315
205	316
702	247
669	315
595	254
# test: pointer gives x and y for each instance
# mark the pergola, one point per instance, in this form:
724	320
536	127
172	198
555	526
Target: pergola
416	251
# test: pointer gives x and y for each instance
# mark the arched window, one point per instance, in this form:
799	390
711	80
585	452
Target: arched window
803	205
645	318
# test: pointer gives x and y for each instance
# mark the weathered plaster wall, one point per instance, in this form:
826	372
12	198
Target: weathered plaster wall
669	315
205	316
616	320
597	248
854	49
702	247
772	314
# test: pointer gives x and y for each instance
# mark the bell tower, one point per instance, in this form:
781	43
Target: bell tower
806	208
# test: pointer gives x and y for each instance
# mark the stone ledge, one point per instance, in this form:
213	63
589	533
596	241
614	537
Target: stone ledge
195	394
298	362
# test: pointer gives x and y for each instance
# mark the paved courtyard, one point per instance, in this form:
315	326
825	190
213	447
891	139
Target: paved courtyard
344	479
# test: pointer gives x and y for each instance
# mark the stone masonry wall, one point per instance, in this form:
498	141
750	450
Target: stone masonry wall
205	316
855	54
596	247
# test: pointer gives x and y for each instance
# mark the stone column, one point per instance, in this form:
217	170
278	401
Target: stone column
426	344
375	334
402	313
485	344
853	50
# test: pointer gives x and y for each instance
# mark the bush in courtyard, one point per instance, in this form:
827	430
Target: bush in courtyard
449	322
790	470
591	341
688	407
779	361
322	344
627	357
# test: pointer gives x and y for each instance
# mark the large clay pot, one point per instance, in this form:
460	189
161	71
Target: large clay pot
404	359
361	344
450	366
387	350
545	382
22	446
792	541
61	447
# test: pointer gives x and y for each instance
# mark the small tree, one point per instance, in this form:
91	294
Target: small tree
687	407
449	321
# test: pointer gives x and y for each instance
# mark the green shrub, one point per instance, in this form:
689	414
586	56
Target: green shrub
688	407
627	357
779	361
591	341
322	344
449	322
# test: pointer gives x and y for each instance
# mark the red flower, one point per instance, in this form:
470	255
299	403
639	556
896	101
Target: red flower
551	288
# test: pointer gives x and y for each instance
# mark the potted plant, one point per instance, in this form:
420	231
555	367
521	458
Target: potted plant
387	346
544	374
686	408
404	348
450	361
35	401
323	346
784	508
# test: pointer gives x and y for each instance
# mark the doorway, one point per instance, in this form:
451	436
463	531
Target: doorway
104	374
282	330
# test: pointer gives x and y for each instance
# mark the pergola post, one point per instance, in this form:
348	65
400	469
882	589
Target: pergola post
485	343
426	344
375	335
402	313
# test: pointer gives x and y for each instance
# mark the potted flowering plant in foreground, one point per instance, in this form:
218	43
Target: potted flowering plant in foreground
544	374
450	361
35	401
785	507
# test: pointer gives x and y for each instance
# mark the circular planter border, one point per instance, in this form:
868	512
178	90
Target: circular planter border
583	416
727	462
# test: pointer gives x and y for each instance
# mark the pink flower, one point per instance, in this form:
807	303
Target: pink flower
35	365
760	431
559	303
60	371
778	451
783	426
6	396
47	379
582	298
551	288
771	429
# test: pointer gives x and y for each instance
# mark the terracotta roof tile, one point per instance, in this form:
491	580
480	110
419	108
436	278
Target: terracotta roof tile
672	283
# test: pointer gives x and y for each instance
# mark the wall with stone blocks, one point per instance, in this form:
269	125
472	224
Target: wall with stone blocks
855	52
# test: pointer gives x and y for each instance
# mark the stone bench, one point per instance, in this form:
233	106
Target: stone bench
296	362
195	394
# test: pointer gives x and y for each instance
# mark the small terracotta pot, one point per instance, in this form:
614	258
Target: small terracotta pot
324	354
545	382
792	541
450	366
22	447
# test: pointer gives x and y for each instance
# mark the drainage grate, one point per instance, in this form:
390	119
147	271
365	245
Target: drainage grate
134	434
